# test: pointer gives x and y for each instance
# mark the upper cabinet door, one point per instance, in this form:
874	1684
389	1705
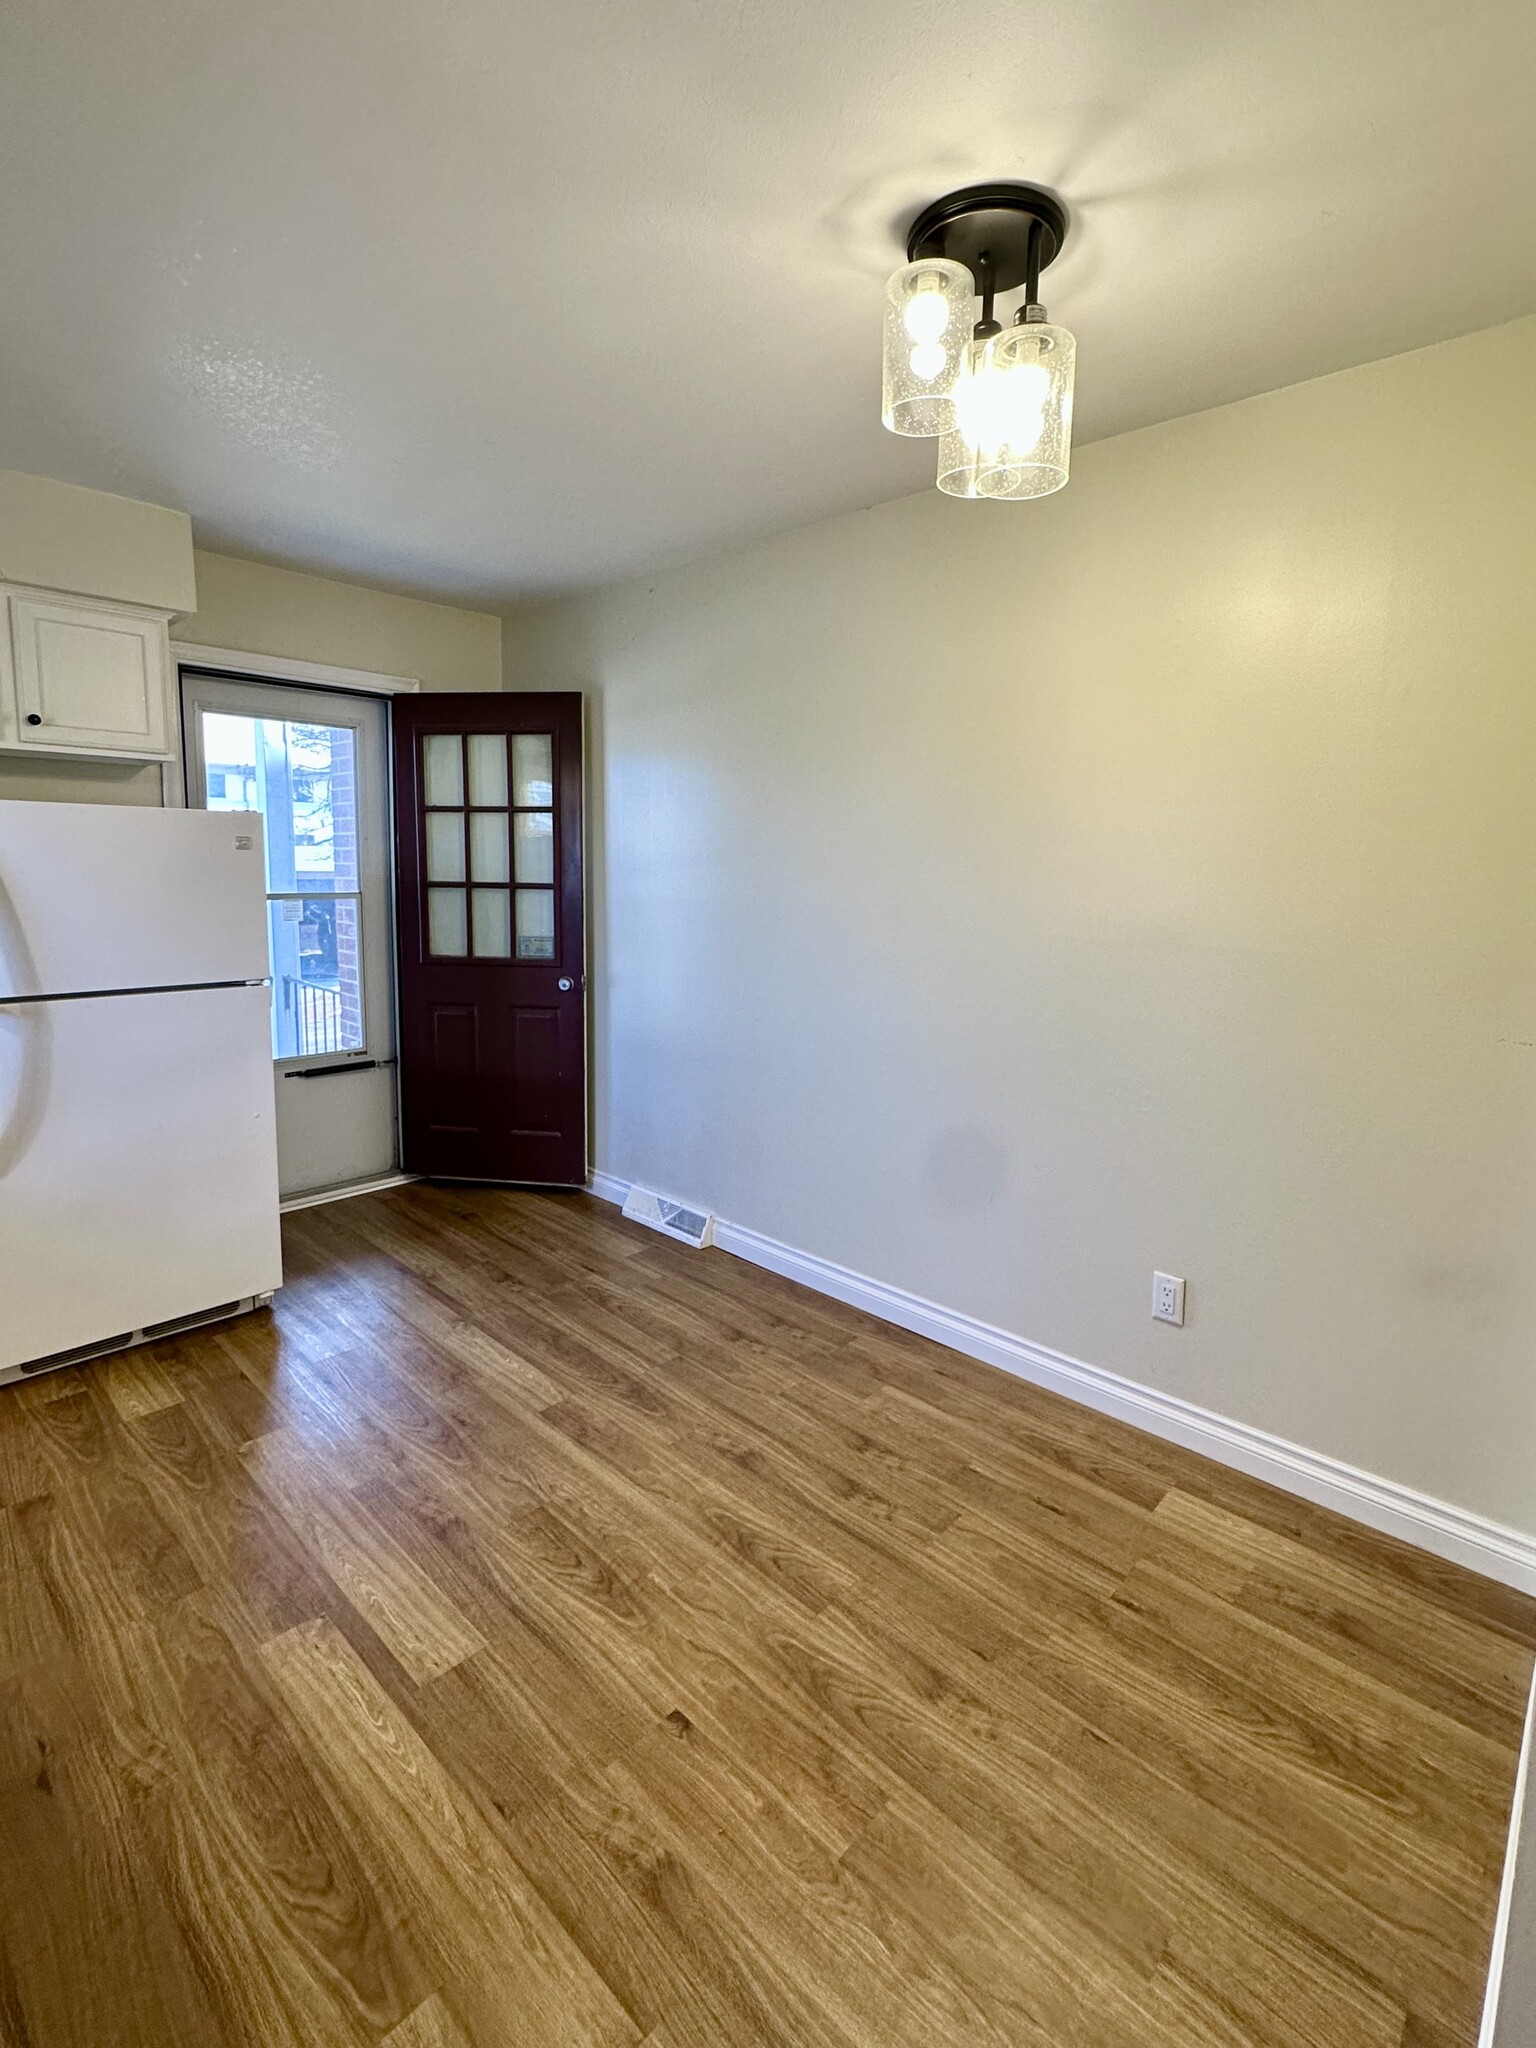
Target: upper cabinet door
91	678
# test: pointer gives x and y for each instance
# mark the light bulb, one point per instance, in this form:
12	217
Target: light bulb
927	314
1001	407
1013	416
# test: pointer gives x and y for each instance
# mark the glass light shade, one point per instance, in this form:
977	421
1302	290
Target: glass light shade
1012	436
927	337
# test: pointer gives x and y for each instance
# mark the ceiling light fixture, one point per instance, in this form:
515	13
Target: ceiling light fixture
998	398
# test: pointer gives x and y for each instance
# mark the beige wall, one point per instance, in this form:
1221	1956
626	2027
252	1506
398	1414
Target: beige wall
79	782
257	609
60	537
1005	901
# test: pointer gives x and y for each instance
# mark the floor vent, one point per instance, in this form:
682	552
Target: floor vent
660	1212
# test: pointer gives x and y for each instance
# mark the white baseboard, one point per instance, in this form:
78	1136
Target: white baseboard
345	1194
1455	1533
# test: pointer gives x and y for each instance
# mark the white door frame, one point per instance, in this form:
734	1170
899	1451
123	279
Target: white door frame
234	665
281	668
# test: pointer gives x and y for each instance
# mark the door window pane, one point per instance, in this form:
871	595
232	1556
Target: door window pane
488	846
533	769
302	778
445	846
491	921
535	924
447	927
488	768
535	835
443	756
316	976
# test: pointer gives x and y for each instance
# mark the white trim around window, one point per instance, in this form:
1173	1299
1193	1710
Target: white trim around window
265	668
280	669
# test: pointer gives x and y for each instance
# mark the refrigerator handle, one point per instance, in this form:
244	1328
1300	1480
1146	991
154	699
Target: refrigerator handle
32	1085
36	1063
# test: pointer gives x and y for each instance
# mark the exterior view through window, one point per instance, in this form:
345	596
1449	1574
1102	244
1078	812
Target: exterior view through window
303	779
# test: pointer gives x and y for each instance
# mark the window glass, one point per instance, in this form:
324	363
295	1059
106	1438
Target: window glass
535	832
443	753
302	778
488	846
533	769
445	846
447	926
488	768
535	924
491	923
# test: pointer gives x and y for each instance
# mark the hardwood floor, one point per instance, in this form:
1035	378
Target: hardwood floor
535	1633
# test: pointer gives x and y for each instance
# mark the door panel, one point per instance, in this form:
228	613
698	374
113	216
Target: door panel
452	1078
491	942
536	1073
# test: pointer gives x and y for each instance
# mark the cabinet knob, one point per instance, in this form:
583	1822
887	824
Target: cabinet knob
34	718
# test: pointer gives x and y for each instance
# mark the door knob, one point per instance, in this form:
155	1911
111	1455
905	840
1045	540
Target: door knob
34	718
565	984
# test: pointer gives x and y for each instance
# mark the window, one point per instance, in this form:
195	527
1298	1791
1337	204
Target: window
303	780
490	845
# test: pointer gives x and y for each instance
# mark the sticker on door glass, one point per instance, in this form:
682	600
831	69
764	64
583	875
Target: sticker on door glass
535	924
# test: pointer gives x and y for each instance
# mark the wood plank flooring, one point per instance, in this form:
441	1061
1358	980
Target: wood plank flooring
534	1633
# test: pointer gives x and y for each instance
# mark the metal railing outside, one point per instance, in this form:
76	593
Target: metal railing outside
317	1011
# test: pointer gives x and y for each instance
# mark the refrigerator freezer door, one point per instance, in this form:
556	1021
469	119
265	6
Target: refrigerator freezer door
109	896
138	1166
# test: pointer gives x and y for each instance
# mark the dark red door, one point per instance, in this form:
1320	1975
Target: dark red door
492	967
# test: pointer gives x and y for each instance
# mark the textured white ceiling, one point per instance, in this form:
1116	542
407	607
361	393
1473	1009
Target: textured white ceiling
491	300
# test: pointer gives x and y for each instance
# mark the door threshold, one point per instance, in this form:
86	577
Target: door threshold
317	1196
480	1180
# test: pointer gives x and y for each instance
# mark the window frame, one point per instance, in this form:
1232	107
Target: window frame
194	665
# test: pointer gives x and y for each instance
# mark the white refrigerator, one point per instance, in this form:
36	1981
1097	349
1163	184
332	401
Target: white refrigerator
138	1162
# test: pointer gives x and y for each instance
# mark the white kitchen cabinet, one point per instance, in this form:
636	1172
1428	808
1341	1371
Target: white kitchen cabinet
80	675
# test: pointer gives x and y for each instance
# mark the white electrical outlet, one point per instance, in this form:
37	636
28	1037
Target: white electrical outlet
1167	1298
